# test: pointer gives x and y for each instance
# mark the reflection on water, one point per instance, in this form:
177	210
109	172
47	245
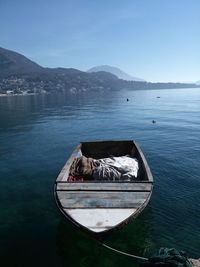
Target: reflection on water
76	247
134	238
37	135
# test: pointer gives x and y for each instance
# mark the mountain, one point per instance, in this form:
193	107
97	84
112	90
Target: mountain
20	75
116	71
15	63
198	82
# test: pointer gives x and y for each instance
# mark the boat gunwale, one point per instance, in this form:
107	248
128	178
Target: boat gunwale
145	164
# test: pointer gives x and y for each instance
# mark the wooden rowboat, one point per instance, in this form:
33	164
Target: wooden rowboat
101	206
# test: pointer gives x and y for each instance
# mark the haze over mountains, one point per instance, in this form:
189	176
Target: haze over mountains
18	75
116	71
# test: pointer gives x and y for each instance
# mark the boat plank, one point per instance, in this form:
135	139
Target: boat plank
99	219
102	199
104	186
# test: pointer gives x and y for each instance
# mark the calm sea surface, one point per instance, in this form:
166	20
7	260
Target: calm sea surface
37	135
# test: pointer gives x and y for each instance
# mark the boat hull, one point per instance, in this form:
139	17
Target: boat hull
102	206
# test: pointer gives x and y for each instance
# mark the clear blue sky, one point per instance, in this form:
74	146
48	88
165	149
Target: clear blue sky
158	40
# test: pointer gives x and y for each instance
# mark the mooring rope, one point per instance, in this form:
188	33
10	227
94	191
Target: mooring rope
124	253
190	262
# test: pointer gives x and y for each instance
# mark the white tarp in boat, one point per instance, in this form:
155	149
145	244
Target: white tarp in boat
116	168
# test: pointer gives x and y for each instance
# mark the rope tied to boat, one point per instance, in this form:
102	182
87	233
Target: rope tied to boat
124	253
169	257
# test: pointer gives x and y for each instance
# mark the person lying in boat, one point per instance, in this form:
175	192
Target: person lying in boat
113	168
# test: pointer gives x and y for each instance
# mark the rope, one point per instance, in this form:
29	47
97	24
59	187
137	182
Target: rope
124	253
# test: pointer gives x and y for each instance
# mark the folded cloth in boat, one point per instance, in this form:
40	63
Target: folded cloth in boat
75	178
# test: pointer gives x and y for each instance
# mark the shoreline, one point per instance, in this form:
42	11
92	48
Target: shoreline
142	89
10	95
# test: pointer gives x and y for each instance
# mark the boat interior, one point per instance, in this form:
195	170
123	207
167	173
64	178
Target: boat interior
107	149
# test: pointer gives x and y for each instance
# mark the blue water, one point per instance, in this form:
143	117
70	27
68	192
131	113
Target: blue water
37	135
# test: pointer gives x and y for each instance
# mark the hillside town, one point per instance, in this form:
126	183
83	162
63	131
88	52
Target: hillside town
23	86
19	86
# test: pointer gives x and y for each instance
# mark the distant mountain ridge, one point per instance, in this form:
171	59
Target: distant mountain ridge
20	75
12	62
116	71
